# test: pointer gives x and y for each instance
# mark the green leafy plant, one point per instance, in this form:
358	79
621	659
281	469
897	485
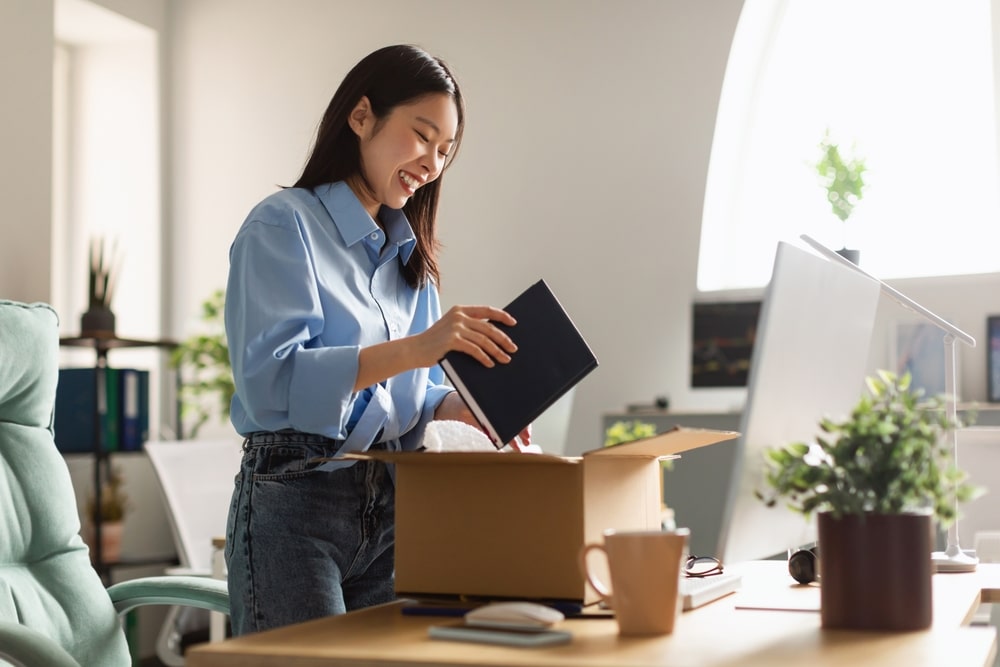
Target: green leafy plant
114	501
841	176
889	456
627	431
207	376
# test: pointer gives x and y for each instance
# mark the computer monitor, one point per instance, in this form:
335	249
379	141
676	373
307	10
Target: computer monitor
809	361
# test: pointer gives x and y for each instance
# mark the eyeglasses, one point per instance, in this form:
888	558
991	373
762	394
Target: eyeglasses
702	566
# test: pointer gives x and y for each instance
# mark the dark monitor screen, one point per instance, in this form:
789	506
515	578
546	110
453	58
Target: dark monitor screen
722	339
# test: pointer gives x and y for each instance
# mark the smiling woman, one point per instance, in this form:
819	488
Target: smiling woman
335	331
882	75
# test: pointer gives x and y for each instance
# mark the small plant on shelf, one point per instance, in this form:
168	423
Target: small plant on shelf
207	375
627	431
103	277
842	177
115	502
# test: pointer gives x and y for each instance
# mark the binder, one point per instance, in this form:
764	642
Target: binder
134	389
121	403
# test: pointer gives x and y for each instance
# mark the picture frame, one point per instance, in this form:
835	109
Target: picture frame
993	358
917	348
722	340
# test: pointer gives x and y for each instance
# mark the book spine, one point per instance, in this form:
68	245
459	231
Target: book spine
466	395
111	416
143	407
73	422
131	408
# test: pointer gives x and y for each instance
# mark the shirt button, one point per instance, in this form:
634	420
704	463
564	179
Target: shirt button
374	236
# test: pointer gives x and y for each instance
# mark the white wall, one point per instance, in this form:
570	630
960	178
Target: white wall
589	131
26	158
584	161
965	301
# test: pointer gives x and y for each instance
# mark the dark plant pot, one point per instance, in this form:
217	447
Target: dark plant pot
875	571
853	256
97	322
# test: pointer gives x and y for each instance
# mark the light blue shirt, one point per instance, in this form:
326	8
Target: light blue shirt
312	280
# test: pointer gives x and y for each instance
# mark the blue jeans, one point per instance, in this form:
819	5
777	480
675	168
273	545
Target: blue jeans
303	543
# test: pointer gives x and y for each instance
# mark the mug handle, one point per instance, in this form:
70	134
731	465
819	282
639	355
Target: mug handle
602	589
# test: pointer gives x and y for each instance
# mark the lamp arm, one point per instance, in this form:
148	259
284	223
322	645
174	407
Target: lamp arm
893	293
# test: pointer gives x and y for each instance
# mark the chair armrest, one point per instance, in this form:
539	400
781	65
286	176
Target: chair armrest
200	592
25	647
187	571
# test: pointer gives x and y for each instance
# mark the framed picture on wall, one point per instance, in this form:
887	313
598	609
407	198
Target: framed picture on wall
917	348
993	358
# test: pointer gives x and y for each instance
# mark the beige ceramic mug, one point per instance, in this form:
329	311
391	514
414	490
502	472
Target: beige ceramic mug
645	568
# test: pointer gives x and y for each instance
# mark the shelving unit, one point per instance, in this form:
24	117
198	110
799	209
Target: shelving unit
101	344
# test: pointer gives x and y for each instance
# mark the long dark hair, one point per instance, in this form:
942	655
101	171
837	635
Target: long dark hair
388	77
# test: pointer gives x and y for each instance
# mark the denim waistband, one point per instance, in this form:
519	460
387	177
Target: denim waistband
293	437
288	437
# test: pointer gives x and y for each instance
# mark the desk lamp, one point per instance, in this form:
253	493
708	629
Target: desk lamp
952	559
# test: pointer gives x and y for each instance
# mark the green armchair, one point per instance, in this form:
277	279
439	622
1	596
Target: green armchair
54	609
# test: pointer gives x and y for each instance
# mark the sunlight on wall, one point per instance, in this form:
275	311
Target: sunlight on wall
909	84
107	163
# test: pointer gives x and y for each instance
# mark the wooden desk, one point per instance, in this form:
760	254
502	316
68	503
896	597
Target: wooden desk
714	635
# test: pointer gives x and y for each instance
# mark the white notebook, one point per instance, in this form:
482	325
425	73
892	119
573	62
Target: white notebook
698	591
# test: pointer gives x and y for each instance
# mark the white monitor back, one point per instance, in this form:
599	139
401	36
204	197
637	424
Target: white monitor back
809	361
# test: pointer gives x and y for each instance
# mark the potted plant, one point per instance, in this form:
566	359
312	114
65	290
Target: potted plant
843	179
114	504
99	320
876	480
207	382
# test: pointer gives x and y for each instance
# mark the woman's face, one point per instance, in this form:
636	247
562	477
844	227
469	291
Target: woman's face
404	150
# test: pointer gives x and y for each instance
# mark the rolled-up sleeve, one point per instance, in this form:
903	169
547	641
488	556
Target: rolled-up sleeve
273	315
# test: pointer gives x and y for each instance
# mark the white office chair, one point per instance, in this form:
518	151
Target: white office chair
196	481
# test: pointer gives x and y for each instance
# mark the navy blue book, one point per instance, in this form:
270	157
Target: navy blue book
134	396
552	357
79	401
121	403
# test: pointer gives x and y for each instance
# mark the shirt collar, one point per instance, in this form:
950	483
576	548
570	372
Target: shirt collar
354	223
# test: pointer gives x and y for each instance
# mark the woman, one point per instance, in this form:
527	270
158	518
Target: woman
335	331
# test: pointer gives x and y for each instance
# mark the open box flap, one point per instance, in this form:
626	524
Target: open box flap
492	458
665	445
676	440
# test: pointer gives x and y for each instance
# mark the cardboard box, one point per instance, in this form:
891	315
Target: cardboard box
509	525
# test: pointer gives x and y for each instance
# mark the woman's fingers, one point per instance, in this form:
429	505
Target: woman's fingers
471	329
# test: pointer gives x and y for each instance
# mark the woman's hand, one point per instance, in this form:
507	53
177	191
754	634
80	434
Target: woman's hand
463	328
454	408
467	329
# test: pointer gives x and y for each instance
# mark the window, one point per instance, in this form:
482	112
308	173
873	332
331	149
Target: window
106	175
106	162
908	85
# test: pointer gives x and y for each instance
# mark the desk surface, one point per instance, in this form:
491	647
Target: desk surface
717	634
